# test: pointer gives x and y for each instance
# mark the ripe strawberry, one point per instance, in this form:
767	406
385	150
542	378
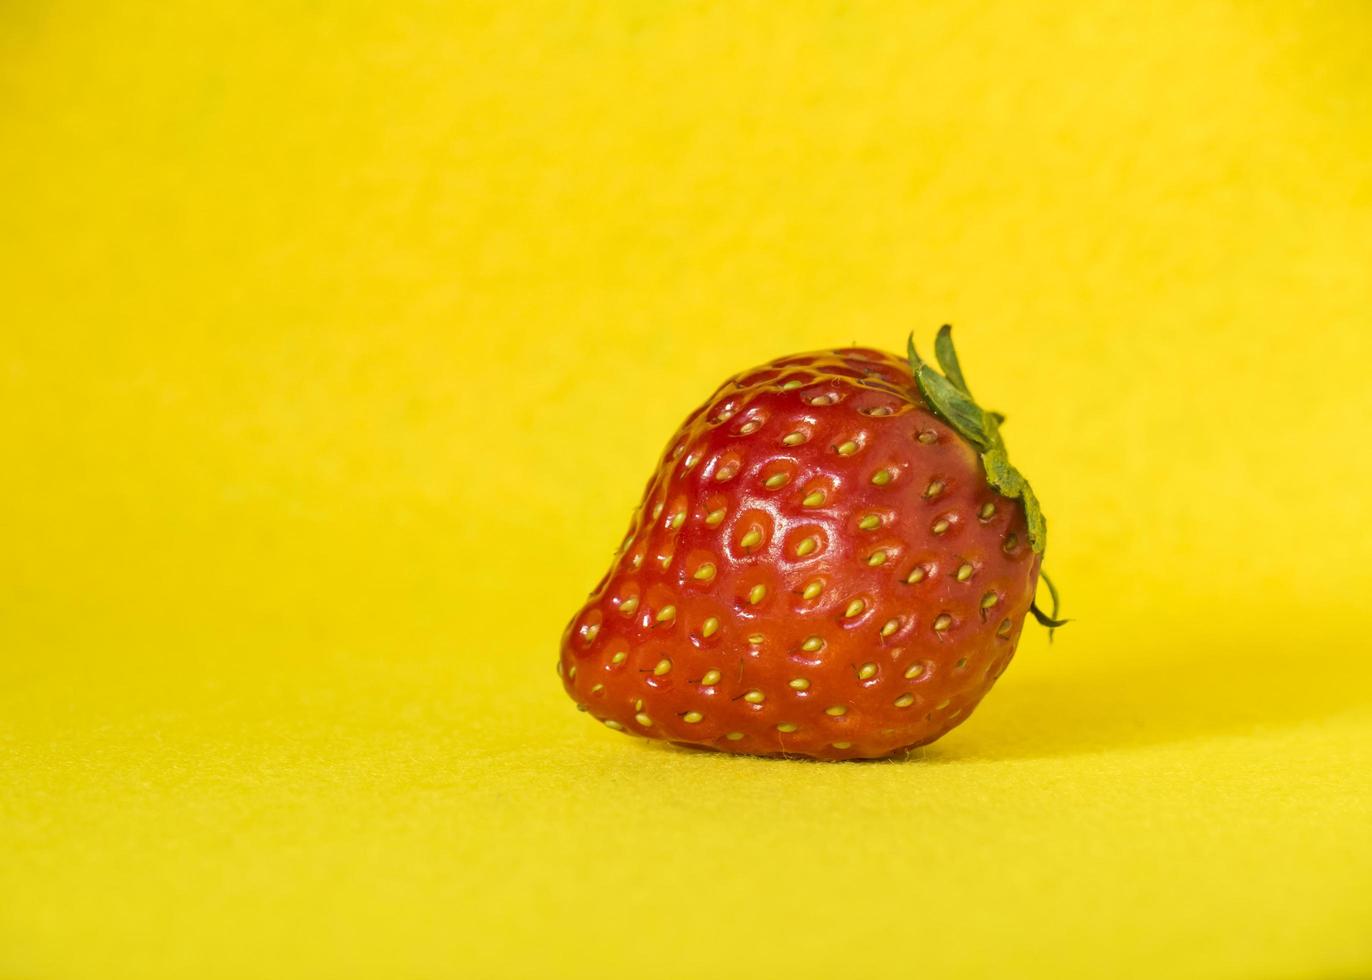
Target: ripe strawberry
834	559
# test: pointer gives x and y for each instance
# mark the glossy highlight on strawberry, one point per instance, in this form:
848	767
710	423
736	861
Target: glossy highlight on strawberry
834	559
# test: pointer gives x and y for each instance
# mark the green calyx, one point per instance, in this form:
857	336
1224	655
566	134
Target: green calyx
948	397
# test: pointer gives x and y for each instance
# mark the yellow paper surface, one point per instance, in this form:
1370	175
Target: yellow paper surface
336	344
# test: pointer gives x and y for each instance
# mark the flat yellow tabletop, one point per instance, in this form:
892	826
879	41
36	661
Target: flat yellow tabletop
336	345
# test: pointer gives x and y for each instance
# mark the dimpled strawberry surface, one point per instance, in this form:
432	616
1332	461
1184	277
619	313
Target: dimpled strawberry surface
820	567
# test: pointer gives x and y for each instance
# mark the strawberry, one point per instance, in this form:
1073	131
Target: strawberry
834	559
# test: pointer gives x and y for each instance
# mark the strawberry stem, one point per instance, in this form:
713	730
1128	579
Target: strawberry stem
1049	620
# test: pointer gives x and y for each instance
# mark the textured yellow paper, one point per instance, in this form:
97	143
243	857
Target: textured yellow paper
336	344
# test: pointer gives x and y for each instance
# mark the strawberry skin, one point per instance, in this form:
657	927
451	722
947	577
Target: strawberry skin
819	567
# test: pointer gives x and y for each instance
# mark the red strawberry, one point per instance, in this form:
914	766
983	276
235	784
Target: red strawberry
834	559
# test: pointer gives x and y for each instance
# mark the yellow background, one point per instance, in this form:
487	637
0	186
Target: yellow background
337	344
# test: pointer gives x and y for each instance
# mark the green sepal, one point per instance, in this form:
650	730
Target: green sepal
1001	475
948	397
949	402
947	357
1033	517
